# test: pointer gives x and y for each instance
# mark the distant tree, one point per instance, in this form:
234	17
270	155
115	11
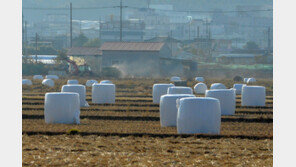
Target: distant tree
96	42
80	40
251	46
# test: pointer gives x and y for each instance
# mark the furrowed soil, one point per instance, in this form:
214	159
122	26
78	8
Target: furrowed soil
128	133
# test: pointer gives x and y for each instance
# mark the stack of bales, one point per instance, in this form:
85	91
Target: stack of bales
103	93
89	83
72	81
226	98
199	79
26	82
198	115
48	82
106	82
158	90
80	89
251	80
200	88
179	90
238	88
218	86
38	77
61	107
175	78
253	96
51	77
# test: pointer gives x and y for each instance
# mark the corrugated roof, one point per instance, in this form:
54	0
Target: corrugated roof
84	51
132	46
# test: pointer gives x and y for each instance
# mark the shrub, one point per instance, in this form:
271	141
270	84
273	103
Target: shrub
238	79
111	72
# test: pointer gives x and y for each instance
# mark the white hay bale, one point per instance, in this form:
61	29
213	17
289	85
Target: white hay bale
80	89
251	80
51	77
103	93
238	88
26	82
199	79
168	109
180	90
72	81
200	88
89	83
159	90
246	80
226	98
253	96
218	86
48	82
175	78
106	81
36	77
62	108
199	115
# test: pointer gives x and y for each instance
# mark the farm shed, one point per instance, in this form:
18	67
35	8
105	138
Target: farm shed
89	56
141	58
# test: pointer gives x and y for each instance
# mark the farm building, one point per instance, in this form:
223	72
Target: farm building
236	58
144	59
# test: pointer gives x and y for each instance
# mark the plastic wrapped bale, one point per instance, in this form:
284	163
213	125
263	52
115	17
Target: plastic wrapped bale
238	88
61	107
251	80
200	88
159	90
51	77
226	98
48	82
80	89
199	115
89	83
174	78
218	86
199	79
168	109
72	81
246	80
38	77
26	82
180	90
253	96
103	93
106	81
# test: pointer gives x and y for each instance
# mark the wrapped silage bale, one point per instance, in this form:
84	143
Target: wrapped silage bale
159	90
199	115
26	82
48	82
106	81
246	80
61	107
80	89
72	81
180	90
103	93
253	96
36	77
199	79
238	88
89	83
175	78
218	86
168	109
51	77
200	88
226	98
251	80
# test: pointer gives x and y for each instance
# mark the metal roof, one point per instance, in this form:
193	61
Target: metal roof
84	51
132	46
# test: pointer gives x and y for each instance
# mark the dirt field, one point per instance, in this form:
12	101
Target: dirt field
129	132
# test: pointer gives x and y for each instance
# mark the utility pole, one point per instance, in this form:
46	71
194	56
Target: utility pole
120	7
189	29
171	38
269	39
197	32
36	47
70	25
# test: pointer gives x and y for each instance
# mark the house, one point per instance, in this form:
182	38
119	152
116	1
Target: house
148	59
